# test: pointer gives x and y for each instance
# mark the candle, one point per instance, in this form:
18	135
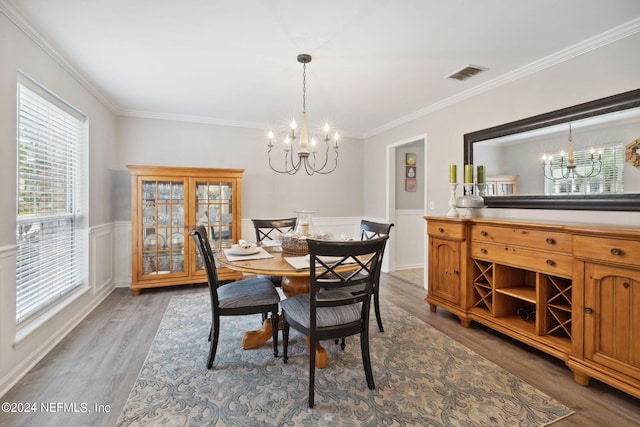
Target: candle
481	175
270	145
453	174
468	174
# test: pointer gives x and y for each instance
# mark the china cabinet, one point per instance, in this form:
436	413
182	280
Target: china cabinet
166	202
570	290
502	185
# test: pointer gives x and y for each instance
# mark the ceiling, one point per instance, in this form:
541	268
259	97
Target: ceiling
375	62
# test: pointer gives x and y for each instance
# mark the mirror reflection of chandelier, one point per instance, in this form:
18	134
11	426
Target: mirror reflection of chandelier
307	150
585	168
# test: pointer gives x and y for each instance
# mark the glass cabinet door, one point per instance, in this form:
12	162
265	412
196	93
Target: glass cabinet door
214	210
163	226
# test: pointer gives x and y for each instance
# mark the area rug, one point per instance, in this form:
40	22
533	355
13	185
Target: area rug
422	378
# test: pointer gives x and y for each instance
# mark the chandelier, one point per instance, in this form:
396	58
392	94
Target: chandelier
307	150
589	167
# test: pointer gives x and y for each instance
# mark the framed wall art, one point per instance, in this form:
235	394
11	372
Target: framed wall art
410	172
410	159
411	185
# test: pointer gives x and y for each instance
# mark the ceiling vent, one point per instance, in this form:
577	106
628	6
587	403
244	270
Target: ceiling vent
466	72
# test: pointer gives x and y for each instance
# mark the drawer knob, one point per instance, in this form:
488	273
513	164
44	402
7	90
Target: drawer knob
456	272
625	285
550	241
483	250
440	229
483	233
588	310
616	251
550	262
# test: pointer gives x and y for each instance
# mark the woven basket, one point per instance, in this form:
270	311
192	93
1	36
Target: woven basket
295	246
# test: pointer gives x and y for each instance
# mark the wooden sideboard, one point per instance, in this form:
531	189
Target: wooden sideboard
570	290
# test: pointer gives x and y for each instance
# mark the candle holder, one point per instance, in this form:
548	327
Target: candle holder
453	212
468	189
470	201
482	190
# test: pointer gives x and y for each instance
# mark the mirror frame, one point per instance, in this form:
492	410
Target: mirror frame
602	202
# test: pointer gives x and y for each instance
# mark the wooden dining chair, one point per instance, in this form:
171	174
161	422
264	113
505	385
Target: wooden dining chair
373	230
328	311
270	229
242	297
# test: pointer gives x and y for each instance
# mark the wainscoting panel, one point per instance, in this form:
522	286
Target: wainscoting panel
410	233
22	348
101	243
122	253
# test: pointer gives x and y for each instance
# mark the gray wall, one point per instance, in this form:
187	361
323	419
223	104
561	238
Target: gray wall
265	193
607	70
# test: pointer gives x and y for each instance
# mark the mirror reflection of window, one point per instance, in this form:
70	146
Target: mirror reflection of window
610	179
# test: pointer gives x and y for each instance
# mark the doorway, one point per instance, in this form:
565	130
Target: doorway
406	203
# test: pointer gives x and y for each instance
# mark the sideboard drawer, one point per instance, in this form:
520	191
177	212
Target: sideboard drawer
610	250
538	239
530	259
445	230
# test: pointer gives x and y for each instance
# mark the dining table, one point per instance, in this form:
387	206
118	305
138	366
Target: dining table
270	260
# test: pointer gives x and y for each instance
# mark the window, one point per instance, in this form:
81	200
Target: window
610	180
51	137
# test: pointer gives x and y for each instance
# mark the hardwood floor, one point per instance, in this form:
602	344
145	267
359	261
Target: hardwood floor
99	361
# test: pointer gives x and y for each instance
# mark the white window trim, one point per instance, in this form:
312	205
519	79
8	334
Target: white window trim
38	320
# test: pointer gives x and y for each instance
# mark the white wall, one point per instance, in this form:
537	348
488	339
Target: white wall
21	349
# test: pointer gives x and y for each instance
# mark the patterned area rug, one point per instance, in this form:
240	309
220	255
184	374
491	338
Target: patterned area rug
422	377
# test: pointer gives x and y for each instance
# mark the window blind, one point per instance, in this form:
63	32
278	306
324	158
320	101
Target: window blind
610	180
48	258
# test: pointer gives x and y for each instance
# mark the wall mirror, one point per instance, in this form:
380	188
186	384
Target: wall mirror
582	157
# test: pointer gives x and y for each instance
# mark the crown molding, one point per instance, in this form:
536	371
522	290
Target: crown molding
625	30
190	119
19	21
204	120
